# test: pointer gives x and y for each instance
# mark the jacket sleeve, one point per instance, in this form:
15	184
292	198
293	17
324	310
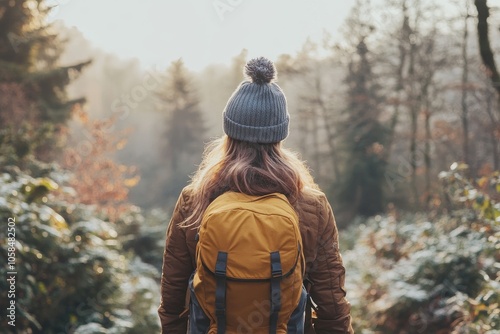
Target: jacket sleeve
177	268
327	276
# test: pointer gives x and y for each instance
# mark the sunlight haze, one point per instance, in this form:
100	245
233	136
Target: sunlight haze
201	32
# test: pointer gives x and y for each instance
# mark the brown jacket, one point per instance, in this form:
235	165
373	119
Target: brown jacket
324	266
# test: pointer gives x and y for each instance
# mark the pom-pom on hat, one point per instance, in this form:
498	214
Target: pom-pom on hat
257	111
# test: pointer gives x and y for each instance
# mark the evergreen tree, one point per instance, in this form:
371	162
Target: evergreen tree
364	137
29	54
185	128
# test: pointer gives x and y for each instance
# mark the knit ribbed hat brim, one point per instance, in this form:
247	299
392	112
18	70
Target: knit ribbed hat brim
256	134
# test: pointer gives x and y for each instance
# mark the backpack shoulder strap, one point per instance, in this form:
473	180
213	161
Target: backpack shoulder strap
276	275
220	291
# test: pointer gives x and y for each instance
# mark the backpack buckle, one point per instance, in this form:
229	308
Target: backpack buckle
220	273
276	271
221	264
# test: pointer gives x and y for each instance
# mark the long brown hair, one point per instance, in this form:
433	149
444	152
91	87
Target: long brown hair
253	169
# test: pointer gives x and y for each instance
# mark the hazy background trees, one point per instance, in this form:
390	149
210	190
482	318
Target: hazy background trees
184	133
418	76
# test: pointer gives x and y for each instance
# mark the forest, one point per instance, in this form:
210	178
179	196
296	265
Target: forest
398	120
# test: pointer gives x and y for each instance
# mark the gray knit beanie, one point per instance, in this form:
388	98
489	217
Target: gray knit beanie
257	112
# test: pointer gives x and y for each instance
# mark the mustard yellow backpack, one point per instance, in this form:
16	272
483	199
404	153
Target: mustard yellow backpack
249	267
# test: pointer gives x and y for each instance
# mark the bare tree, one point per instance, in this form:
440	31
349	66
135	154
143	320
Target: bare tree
488	58
483	12
402	38
465	82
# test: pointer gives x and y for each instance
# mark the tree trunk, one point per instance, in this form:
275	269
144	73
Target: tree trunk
425	100
427	155
316	148
483	12
493	128
414	108
330	135
303	130
405	36
465	80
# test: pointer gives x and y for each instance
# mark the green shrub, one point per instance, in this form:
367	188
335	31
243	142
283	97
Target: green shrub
425	275
72	271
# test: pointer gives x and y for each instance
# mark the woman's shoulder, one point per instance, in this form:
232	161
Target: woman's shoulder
312	196
185	200
312	201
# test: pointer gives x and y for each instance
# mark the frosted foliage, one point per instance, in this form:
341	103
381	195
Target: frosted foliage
112	291
418	273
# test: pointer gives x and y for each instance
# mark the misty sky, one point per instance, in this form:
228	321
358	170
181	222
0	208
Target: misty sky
204	31
201	31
